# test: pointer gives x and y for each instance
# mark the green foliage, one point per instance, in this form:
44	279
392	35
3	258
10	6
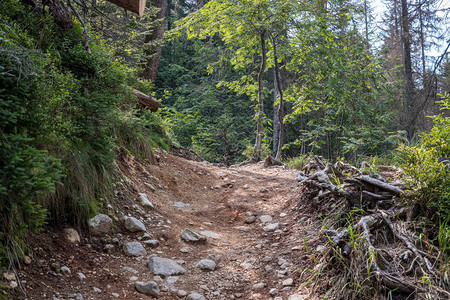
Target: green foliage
210	119
63	112
430	179
297	162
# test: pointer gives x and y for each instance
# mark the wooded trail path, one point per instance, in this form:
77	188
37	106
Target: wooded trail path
257	233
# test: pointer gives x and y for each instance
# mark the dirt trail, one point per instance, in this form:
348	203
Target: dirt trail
255	260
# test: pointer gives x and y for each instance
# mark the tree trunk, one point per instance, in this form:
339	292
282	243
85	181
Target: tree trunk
154	52
281	110
409	84
260	111
276	128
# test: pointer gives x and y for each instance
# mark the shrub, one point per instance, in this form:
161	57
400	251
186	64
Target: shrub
431	180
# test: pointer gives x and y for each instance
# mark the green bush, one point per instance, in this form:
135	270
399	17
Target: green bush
430	179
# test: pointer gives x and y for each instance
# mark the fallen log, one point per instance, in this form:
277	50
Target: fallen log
147	101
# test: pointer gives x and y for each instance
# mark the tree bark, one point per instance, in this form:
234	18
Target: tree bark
409	84
260	110
281	110
154	52
275	126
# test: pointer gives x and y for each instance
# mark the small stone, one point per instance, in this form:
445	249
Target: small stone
81	276
115	295
210	234
320	248
282	215
65	270
146	236
72	236
263	190
151	187
245	186
296	297
109	248
151	243
131	270
181	293
244	228
195	296
190	236
26	260
134	225
271	227
206	265
246	265
100	224
250	220
134	249
259	285
265	218
148	288
288	282
164	267
134	278
10	276
185	250
97	290
13	284
181	204
144	200
274	292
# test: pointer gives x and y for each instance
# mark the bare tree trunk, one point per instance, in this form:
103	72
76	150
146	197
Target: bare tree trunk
260	111
276	128
409	84
281	109
155	40
422	44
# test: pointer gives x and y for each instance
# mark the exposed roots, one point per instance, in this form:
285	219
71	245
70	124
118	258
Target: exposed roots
372	252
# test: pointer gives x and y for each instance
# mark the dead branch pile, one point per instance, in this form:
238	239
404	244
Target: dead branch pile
372	251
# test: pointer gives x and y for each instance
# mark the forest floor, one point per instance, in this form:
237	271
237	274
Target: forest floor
257	258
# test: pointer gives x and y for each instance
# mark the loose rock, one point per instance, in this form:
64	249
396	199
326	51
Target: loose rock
148	288
151	243
134	225
100	224
71	235
195	296
265	219
144	200
206	265
190	236
271	227
250	220
134	249
165	267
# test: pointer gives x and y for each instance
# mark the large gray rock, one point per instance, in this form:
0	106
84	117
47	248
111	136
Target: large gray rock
100	224
134	225
195	296
134	249
206	264
148	288
190	236
164	267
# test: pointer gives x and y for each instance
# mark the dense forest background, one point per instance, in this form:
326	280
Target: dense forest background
237	80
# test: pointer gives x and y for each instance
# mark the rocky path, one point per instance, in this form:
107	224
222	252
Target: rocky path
183	230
